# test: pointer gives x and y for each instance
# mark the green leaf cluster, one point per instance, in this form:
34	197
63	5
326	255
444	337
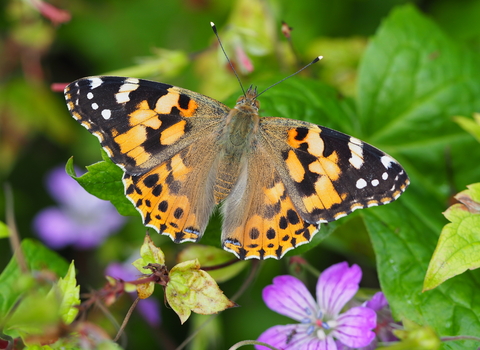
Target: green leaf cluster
34	303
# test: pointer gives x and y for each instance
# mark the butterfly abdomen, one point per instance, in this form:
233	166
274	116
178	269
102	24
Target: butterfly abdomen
235	144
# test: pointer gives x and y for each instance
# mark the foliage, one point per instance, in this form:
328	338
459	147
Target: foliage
417	72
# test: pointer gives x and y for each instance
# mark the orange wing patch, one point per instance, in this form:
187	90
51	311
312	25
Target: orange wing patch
186	106
156	196
273	226
314	172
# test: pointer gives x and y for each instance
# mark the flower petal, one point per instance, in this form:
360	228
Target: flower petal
150	310
317	344
355	326
377	302
291	337
55	228
336	286
288	296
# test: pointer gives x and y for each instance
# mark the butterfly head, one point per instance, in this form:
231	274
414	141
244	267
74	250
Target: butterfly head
249	99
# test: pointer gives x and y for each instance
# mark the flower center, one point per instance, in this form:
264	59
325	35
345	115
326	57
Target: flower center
321	325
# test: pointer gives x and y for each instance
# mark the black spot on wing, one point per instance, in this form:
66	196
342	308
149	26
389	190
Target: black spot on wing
151	180
183	101
163	206
301	133
254	233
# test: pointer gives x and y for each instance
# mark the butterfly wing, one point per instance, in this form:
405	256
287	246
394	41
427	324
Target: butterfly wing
319	175
151	130
260	219
330	174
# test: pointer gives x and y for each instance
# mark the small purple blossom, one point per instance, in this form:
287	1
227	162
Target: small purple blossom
385	323
80	219
148	308
320	322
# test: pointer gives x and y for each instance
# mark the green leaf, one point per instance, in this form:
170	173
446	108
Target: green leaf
38	258
165	63
458	248
414	337
70	294
403	244
104	180
469	125
4	231
38	312
191	289
149	254
412	81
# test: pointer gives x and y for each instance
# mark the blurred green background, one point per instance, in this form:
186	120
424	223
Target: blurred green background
171	41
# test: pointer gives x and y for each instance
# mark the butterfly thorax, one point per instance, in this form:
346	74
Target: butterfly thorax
239	134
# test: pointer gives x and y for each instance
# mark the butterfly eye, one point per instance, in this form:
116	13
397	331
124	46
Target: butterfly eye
241	100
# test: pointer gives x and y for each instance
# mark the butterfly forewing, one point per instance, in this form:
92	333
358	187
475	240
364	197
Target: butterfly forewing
141	123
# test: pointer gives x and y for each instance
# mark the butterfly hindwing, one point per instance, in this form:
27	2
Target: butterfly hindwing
260	219
176	197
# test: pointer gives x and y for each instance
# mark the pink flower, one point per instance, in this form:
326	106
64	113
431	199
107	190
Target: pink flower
55	15
321	321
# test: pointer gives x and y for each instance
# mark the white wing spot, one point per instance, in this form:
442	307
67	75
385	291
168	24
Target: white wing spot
361	183
133	81
355	146
387	161
106	114
95	82
89	95
122	97
385	176
123	94
375	182
94	106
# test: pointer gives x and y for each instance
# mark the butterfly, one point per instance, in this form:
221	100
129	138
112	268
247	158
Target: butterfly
184	153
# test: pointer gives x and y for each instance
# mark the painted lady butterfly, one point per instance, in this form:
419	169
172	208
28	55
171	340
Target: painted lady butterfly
183	153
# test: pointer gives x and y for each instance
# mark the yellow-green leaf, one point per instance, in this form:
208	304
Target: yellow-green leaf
458	248
150	254
4	231
469	125
70	294
192	289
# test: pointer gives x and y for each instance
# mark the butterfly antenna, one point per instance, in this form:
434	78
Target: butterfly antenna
214	28
291	75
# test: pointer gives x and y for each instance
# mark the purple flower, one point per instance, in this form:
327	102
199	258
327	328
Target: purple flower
148	308
320	322
385	323
80	219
